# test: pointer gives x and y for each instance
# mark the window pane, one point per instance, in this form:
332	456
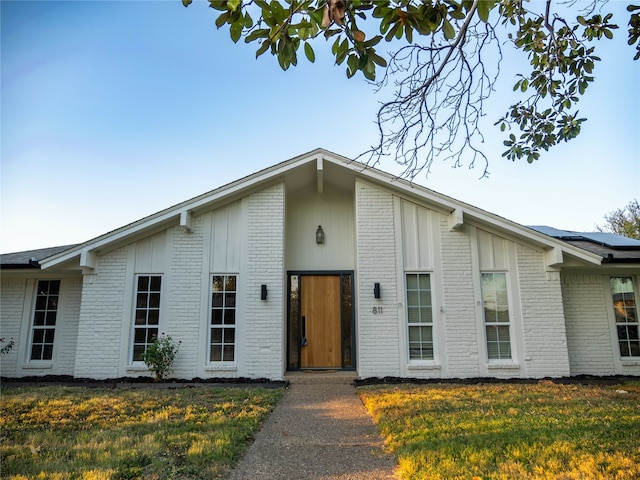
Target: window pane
51	318
138	352
36	352
228	353
425	315
215	354
48	335
47	352
38	318
141	300
216	300
634	349
154	300
412	282
413	298
216	335
413	315
153	317
624	349
143	283
216	317
230	284
41	302
230	300
218	284
229	317
425	298
229	335
155	284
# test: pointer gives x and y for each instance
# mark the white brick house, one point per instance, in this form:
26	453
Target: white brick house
322	263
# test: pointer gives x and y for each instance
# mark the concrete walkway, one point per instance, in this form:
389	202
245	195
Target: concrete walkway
319	430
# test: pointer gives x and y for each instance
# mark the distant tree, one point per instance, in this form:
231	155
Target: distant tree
624	221
445	65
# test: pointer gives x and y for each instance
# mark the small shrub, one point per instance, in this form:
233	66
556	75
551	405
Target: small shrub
6	348
160	355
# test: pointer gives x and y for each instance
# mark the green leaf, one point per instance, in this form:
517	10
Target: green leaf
186	3
222	19
484	7
308	51
263	48
448	30
235	31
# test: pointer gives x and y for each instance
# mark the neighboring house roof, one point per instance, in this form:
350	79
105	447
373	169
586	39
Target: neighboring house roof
314	168
29	258
611	247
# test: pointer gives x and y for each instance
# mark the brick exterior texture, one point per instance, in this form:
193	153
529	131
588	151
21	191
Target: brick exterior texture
378	334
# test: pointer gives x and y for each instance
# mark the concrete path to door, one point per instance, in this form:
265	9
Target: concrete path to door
319	430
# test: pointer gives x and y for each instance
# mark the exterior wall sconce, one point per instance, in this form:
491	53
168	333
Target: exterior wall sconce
263	292
376	290
319	235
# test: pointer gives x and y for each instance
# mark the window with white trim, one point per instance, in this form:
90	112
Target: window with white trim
147	314
497	321
419	316
222	321
44	320
626	316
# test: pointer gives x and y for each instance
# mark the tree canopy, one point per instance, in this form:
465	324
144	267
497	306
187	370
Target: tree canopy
624	221
444	65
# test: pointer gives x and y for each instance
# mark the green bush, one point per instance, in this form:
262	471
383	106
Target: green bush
160	355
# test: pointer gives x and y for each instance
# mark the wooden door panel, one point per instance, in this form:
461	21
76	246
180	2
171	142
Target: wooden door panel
320	308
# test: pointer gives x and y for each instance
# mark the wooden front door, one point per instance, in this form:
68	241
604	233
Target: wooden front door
320	322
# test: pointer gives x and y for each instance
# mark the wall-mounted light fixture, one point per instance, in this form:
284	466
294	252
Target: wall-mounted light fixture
319	235
376	290
263	292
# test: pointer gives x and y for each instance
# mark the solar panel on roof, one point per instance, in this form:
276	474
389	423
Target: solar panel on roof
554	232
610	239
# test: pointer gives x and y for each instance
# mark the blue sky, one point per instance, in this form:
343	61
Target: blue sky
112	111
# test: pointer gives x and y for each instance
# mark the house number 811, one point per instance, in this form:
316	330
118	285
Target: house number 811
377	310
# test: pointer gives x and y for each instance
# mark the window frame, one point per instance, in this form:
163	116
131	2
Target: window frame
616	325
223	327
510	324
44	327
134	308
432	324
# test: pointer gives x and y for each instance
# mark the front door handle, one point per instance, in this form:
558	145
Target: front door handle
303	328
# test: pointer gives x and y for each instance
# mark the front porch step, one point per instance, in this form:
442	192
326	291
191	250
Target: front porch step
317	377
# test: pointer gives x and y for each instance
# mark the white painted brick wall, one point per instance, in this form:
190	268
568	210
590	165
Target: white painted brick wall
588	333
67	326
262	345
101	316
16	303
183	287
12	297
378	335
543	326
461	349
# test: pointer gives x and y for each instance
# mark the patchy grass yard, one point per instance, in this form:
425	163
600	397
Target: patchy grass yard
78	433
507	431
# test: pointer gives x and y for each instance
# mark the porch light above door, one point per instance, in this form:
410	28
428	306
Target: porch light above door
319	235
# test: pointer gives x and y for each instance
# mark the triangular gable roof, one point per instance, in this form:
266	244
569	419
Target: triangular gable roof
459	212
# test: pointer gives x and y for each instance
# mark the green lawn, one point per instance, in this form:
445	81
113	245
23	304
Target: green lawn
510	431
90	434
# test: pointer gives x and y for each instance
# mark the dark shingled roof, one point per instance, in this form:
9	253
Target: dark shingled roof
611	247
29	258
